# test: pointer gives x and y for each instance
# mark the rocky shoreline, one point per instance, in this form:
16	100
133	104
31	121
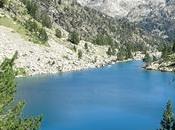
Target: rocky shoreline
58	56
160	64
163	67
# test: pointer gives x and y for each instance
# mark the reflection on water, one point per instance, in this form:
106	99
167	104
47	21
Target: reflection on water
120	97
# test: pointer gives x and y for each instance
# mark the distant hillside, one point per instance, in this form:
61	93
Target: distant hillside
159	20
156	17
90	23
119	8
70	36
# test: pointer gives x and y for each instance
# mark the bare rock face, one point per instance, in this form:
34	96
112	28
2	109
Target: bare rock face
117	7
158	20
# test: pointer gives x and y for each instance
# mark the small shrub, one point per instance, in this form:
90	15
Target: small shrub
166	51
43	35
155	58
128	52
58	33
121	55
74	38
80	54
32	26
173	48
86	46
46	20
2	3
59	2
75	49
111	51
21	71
38	31
147	59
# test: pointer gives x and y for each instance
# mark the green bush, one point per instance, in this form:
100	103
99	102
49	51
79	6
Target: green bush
147	59
2	3
74	49
59	2
32	26
42	35
124	52
38	32
121	55
128	52
111	51
46	20
166	51
74	37
32	7
58	33
173	48
20	71
80	54
103	40
86	46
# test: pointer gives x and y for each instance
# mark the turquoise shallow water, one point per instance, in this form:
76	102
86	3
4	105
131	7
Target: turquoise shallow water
121	97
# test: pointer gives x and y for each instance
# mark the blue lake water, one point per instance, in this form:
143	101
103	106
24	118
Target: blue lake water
121	97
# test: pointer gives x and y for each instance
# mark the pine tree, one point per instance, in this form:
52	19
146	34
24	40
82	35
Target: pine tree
80	54
58	33
147	59
109	52
128	52
74	38
121	55
10	118
46	20
167	122
173	48
167	50
86	46
43	35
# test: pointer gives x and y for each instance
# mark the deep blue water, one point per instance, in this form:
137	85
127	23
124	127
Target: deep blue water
121	97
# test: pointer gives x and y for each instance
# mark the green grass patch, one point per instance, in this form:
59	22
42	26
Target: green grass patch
8	22
22	30
21	71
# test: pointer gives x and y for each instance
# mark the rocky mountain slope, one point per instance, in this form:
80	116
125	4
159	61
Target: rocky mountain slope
156	17
160	20
59	56
90	23
41	51
42	33
118	7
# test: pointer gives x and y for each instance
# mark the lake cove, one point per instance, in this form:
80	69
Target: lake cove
123	96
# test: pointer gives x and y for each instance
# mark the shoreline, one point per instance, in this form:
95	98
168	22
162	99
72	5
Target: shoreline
159	67
59	56
78	69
